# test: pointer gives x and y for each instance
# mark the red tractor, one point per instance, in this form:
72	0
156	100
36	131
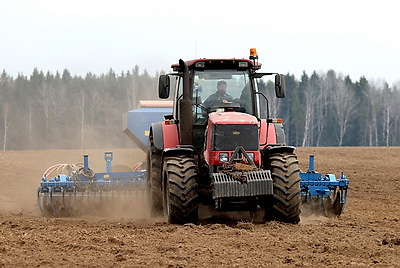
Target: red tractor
219	148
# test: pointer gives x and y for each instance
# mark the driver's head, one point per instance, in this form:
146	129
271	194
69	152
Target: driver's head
221	87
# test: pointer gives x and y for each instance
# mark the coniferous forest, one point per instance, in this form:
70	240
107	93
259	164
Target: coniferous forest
59	111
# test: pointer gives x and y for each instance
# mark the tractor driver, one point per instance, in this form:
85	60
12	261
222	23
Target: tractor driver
218	97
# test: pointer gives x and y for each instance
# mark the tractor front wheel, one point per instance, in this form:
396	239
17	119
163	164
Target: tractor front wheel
284	205
180	198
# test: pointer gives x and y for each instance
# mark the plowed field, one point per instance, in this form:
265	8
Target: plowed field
367	234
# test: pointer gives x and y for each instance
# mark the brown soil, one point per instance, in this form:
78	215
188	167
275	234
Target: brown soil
367	234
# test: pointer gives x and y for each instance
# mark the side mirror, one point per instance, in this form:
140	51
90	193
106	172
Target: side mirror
163	86
280	86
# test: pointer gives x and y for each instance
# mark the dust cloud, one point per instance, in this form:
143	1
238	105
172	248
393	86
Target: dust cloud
22	171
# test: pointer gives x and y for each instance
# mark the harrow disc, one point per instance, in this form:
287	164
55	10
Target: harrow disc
337	206
44	205
331	206
96	203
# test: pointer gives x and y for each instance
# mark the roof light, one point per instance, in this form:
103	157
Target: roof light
200	64
243	64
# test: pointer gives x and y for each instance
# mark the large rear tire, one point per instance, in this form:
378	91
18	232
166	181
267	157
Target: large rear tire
154	162
284	205
180	197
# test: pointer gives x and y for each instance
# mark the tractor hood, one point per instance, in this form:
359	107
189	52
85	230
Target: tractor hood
232	118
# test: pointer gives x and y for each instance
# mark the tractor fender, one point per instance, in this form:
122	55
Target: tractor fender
280	133
267	151
187	151
164	135
156	133
277	149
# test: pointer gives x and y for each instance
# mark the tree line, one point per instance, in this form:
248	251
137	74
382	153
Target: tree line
331	110
61	111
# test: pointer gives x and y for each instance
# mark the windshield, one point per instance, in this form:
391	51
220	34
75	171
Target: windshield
213	87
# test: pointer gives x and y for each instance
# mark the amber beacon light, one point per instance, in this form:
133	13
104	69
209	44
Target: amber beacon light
253	54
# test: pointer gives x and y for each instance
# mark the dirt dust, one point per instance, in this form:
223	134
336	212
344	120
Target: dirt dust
367	234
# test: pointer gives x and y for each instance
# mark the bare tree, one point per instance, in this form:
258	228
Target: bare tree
388	110
5	110
30	125
81	115
45	103
94	105
314	120
396	116
320	108
372	126
131	93
344	104
309	112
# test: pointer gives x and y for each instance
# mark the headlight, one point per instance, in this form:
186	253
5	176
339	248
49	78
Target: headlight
223	157
251	156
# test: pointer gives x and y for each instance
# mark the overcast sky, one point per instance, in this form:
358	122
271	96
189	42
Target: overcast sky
356	38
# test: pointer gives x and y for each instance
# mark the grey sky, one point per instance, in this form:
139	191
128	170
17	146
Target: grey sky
351	37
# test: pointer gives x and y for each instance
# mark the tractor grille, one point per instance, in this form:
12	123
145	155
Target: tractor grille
228	137
258	183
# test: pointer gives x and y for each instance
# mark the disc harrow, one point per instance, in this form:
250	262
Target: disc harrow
75	189
323	194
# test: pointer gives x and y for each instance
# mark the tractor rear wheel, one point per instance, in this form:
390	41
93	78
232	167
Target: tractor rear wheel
284	205
180	197
154	163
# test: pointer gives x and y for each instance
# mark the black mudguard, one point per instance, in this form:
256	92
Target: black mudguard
277	149
267	151
180	150
280	133
157	136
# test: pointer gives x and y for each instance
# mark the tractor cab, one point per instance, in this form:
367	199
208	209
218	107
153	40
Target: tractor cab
228	90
